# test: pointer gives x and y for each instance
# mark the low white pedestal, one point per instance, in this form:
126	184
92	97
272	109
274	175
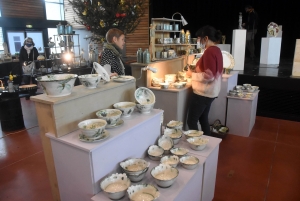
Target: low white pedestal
224	47
270	51
238	48
296	63
241	113
219	105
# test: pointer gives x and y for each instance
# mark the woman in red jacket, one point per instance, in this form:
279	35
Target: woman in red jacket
206	78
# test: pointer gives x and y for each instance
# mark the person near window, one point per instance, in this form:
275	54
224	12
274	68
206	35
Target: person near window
28	54
206	78
251	26
112	53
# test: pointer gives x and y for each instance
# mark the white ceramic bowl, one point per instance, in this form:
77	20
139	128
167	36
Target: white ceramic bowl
255	87
115	186
90	81
144	96
170	78
156	81
57	85
174	134
164	175
111	116
166	143
92	128
198	143
189	162
126	107
155	152
175	124
142	192
251	89
247	85
134	165
145	108
137	177
192	133
172	160
179	151
238	86
178	85
164	85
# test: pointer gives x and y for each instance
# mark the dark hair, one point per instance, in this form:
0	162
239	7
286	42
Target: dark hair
113	33
248	7
210	32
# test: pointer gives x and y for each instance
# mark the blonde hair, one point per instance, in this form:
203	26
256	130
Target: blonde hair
113	33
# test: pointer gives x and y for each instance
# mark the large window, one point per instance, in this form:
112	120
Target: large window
1	36
54	9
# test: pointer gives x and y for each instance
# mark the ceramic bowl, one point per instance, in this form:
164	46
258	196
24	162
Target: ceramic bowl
137	177
178	151
175	124
57	85
189	162
111	116
172	160
126	107
238	86
144	96
92	128
145	108
142	192
156	81
178	85
170	78
174	134
90	81
155	152
255	88
183	83
192	133
164	175
251	89
164	85
115	186
166	143
198	143
247	85
241	94
134	165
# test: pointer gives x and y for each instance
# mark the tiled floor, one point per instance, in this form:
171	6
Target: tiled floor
262	167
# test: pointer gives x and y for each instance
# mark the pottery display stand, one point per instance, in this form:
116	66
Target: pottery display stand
241	114
296	63
61	115
225	47
270	52
219	105
238	48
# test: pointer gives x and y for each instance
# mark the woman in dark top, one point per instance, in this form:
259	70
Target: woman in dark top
112	53
206	79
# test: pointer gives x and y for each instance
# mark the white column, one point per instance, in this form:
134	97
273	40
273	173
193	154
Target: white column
296	63
238	48
270	51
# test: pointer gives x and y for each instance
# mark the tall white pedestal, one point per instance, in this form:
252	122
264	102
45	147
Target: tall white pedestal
238	48
270	51
296	63
218	106
224	47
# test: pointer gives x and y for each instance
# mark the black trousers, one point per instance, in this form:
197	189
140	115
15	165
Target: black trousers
198	111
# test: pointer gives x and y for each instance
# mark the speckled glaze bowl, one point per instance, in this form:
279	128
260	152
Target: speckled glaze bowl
143	192
164	175
171	160
198	143
92	128
166	143
134	165
192	133
179	151
155	152
189	162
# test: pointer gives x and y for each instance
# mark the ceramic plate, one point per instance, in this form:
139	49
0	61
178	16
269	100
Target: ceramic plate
228	60
82	137
100	70
119	123
144	96
123	78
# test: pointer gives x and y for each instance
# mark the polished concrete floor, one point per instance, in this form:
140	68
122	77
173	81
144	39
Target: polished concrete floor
262	167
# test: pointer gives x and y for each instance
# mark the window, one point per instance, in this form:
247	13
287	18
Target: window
15	41
54	9
1	40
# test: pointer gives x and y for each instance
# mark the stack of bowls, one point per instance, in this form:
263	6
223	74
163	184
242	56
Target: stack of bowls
145	98
135	168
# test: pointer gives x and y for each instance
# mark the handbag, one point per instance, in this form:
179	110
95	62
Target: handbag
29	68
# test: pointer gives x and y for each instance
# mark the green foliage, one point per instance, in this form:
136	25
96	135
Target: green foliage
102	15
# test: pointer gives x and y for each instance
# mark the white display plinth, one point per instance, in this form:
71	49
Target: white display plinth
219	105
241	114
296	63
225	47
270	51
238	48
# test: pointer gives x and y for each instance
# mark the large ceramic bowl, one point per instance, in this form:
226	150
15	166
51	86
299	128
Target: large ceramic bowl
137	177
90	81
144	96
166	143
174	134
155	152
143	192
192	133
126	107
164	175
115	186
171	160
198	143
146	108
92	128
175	124
57	85
111	116
179	151
189	162
134	165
